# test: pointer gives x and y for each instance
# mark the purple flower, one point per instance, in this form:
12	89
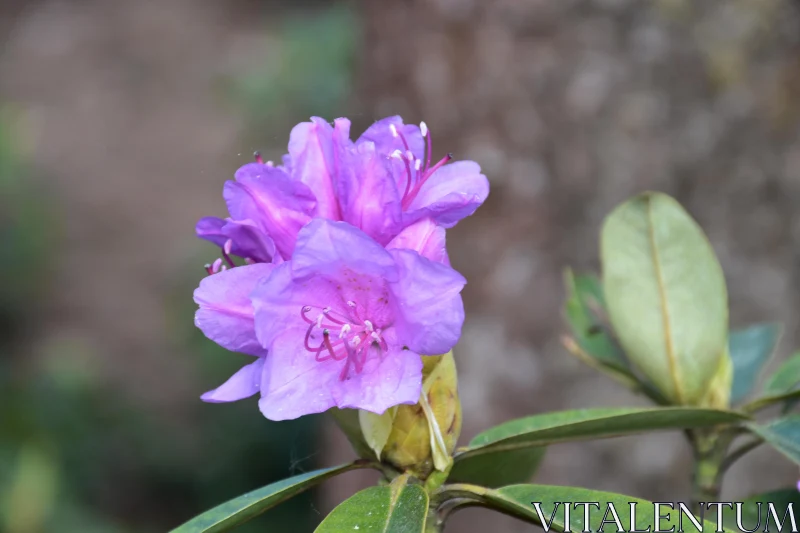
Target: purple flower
345	322
382	183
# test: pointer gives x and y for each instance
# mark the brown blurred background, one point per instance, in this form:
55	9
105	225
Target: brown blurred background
121	120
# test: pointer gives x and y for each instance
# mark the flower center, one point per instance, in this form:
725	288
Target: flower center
343	335
416	172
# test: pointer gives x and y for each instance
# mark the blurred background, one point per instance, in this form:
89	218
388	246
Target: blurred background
120	121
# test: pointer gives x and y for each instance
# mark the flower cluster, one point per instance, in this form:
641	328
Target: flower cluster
346	281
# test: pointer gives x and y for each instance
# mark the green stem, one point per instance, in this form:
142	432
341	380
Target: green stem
710	448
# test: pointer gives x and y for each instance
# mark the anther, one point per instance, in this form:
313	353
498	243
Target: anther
228	246
393	128
270	164
423	128
207	266
258	158
417	164
215	267
397	154
351	303
369	325
344	331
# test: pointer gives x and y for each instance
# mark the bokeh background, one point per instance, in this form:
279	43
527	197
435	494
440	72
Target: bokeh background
119	122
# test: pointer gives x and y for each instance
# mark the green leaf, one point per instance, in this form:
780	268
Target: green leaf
666	295
241	509
519	500
750	349
785	379
396	508
497	469
584	299
783	434
780	500
788	399
550	428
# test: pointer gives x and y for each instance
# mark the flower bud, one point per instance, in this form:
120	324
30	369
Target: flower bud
421	437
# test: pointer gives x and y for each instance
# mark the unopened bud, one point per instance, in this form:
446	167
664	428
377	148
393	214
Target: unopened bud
421	437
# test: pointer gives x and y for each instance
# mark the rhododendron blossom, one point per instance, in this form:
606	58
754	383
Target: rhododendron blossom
344	322
381	183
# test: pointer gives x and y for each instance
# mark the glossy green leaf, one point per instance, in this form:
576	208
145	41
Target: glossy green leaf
239	510
396	508
544	505
785	379
497	469
584	299
750	517
582	424
750	349
665	294
783	434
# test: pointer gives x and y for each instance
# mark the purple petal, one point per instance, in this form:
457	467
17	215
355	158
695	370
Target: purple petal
380	134
278	301
270	198
210	229
453	192
226	314
368	194
312	147
298	385
247	238
424	237
430	311
331	248
243	384
394	379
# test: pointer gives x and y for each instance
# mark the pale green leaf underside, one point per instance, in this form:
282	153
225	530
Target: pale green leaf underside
666	295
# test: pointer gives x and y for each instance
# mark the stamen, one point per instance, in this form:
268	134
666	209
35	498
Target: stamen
427	148
369	325
393	129
258	158
397	154
423	128
270	164
319	320
226	251
215	267
207	266
344	331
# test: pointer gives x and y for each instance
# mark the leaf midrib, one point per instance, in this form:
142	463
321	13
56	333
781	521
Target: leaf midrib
662	291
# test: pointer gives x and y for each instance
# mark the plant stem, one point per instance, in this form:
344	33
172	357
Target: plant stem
710	448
